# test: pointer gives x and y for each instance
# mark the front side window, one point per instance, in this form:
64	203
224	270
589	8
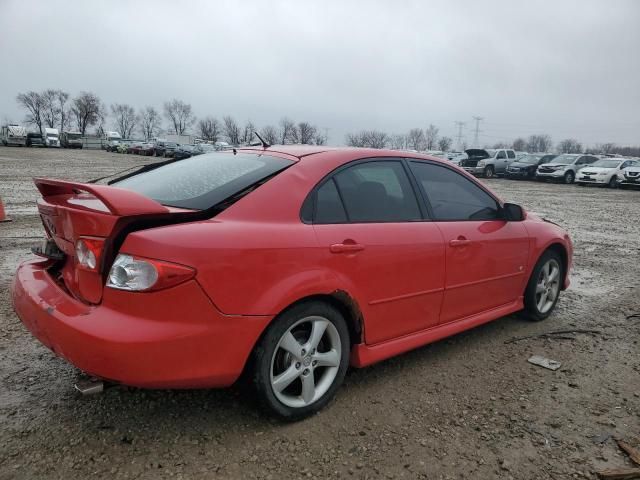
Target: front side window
501	155
452	196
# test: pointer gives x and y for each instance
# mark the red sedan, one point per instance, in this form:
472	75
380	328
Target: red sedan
289	263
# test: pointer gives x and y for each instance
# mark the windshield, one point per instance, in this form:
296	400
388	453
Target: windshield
606	163
564	159
203	181
52	135
73	136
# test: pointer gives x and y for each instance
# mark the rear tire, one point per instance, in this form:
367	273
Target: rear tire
301	360
543	289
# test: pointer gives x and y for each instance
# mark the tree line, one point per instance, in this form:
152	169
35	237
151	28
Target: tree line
56	109
428	139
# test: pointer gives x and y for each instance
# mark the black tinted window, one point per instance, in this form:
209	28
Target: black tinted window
377	192
329	208
452	196
511	154
501	155
205	180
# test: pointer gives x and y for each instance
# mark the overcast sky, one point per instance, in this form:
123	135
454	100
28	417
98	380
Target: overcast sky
567	68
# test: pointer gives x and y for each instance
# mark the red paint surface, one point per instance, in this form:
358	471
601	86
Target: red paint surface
413	282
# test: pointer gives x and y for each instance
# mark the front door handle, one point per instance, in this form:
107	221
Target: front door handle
460	242
346	247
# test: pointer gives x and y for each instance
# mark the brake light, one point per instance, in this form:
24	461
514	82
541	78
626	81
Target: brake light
89	252
139	274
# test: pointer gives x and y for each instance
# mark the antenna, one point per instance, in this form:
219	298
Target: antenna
262	140
476	141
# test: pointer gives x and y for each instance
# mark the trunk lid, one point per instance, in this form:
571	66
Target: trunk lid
72	210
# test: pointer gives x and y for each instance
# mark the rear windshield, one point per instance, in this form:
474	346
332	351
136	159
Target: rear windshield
203	181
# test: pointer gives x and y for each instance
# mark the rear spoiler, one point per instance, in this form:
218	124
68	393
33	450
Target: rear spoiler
119	201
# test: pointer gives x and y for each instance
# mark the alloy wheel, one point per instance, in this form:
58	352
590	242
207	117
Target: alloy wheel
305	361
548	285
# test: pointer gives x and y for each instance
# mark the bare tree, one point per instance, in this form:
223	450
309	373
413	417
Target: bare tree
605	148
247	132
538	143
287	131
231	130
149	122
368	138
416	139
62	98
306	133
519	144
125	118
179	115
501	145
87	110
50	110
270	134
320	138
32	102
399	142
431	136
444	144
569	145
209	129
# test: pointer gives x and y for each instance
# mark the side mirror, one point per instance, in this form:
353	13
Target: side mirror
513	212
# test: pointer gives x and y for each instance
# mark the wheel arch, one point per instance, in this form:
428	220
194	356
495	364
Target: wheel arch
561	250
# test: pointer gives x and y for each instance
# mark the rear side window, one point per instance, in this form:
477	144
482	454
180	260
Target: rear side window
452	196
329	208
511	154
377	191
203	181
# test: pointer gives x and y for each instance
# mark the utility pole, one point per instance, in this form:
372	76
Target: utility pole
476	140
460	125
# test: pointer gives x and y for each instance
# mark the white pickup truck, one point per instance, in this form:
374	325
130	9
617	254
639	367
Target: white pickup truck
488	162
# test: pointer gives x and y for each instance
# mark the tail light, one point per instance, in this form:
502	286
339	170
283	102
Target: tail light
139	274
89	252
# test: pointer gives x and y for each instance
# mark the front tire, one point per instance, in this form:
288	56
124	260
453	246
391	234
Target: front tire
569	177
543	289
612	182
489	172
301	360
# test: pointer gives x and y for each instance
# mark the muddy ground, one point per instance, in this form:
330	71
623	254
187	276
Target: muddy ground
467	407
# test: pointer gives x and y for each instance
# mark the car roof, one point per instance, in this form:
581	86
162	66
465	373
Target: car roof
309	152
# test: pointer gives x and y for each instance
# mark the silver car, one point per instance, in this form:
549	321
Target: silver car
564	167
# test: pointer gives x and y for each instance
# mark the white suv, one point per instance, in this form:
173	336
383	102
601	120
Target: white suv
630	176
564	167
604	172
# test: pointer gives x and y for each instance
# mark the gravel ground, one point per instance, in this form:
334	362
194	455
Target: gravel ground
467	407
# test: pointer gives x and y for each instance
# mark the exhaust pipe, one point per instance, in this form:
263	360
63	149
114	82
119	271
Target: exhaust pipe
89	386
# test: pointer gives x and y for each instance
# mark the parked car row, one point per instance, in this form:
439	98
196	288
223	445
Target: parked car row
568	168
159	148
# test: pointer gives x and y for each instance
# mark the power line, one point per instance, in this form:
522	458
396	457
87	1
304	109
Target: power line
459	125
476	141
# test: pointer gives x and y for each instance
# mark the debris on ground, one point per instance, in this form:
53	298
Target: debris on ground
557	334
544	362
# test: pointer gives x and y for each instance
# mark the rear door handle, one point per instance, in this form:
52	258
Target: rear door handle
460	242
346	247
